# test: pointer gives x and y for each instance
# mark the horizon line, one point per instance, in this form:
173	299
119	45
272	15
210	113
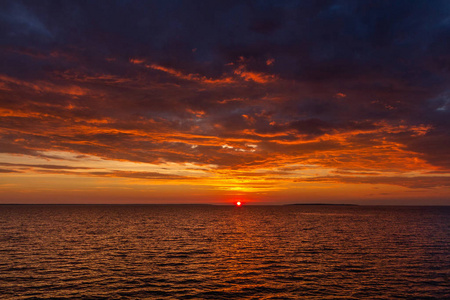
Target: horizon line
233	204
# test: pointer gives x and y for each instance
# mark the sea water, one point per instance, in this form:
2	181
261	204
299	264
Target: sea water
224	252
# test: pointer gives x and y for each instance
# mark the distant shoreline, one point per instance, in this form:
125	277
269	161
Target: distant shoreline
323	204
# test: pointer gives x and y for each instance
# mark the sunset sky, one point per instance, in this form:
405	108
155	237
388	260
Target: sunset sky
263	102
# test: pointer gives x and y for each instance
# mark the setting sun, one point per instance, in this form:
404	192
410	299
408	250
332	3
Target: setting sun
238	203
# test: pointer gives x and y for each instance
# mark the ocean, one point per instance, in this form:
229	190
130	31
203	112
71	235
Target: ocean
224	252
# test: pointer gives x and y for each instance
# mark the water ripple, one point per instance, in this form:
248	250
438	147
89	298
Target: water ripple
214	252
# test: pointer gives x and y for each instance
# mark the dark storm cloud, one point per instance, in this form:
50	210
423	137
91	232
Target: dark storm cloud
152	81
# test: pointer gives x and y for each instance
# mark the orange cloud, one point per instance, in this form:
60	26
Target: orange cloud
42	86
253	76
190	77
136	61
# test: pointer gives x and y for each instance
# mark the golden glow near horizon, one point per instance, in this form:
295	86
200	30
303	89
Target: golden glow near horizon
93	179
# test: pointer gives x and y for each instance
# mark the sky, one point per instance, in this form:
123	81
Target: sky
263	102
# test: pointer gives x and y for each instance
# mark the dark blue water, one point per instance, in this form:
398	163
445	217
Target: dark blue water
221	252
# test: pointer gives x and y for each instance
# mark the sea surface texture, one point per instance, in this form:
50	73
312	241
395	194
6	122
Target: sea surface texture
224	252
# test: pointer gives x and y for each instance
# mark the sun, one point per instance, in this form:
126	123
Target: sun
239	203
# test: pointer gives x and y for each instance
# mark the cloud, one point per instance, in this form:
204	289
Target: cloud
8	171
330	84
39	166
253	76
64	170
418	182
141	175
